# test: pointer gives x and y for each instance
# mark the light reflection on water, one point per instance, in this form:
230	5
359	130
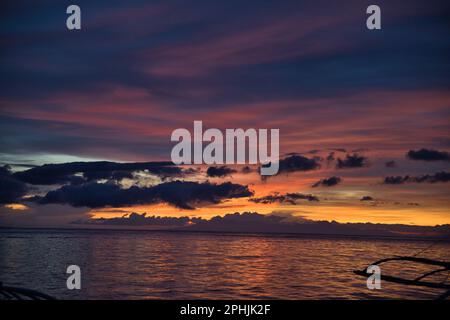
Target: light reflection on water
163	265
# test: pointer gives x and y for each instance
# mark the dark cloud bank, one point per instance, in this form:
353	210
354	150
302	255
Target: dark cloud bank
79	172
328	182
352	161
288	198
11	188
252	222
136	219
81	187
428	155
297	163
217	172
181	194
426	178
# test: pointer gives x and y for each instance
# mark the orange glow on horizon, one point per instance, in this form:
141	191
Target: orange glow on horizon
16	206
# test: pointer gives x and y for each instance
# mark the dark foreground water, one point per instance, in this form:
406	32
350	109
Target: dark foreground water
164	265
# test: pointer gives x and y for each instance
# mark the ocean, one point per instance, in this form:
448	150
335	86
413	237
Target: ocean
182	265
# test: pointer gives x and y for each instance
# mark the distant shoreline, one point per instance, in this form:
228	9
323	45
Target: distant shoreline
231	233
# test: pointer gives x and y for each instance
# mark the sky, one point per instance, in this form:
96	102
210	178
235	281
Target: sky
363	114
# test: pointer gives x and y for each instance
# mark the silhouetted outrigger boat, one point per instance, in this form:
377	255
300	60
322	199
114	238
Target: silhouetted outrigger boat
14	293
421	280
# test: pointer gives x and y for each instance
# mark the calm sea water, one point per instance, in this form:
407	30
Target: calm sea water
165	265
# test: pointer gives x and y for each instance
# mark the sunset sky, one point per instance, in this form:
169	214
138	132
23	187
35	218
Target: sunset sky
368	109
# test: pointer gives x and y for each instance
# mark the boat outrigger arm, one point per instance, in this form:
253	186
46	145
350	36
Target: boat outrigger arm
441	267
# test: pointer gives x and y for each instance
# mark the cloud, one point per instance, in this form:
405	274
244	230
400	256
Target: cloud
290	198
428	155
63	173
11	188
330	157
108	175
136	219
426	178
339	150
390	164
298	163
181	194
328	182
395	179
352	161
219	171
